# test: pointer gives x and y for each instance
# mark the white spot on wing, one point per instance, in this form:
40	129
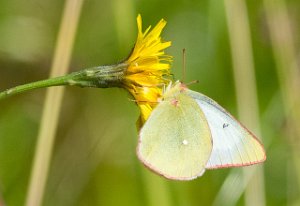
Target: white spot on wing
185	142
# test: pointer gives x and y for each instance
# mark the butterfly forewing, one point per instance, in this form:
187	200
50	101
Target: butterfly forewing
233	144
176	141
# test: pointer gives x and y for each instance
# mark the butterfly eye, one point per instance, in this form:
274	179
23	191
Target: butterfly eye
182	87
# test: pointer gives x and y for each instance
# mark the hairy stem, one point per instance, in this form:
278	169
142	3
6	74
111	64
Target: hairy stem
101	77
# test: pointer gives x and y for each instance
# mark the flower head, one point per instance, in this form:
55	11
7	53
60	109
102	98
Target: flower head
148	67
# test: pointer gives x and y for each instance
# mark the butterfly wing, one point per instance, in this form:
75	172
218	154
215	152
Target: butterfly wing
175	141
233	144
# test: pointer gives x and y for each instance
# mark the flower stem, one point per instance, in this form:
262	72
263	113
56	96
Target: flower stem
101	77
34	85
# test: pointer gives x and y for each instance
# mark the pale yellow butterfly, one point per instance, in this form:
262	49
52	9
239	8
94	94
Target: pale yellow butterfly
188	132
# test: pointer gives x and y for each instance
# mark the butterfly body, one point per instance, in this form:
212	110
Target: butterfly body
188	132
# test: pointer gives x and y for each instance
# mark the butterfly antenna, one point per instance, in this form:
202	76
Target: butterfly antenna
192	82
183	64
141	101
184	70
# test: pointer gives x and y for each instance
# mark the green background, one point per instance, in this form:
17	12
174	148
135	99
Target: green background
94	160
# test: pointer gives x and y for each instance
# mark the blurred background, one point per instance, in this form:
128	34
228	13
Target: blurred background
244	54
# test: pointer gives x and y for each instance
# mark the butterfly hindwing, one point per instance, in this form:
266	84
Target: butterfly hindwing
176	141
233	144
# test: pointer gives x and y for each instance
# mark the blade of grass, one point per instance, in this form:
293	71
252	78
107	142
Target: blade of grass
245	84
52	104
288	70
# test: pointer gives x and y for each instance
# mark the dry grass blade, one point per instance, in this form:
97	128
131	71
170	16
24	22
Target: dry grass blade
245	84
282	40
52	104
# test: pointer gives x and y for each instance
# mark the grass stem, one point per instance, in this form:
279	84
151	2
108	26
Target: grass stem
246	92
46	136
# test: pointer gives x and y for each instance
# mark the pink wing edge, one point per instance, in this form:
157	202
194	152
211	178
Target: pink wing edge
157	171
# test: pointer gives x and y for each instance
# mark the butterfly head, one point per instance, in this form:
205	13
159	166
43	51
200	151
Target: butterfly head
173	90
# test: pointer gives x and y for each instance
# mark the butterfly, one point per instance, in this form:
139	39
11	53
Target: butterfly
188	132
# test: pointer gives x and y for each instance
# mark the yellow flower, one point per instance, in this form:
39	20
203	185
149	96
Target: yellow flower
144	73
148	68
